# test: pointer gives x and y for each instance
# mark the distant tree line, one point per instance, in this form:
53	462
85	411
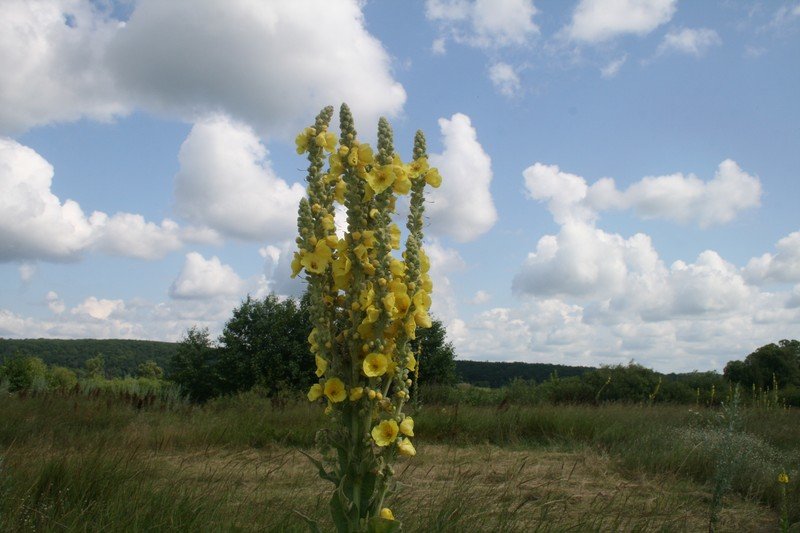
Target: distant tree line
264	346
498	374
121	357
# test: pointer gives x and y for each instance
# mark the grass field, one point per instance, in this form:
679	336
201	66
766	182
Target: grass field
76	463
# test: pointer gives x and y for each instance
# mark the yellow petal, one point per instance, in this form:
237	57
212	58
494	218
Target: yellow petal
407	426
315	392
334	390
375	364
406	448
322	365
385	433
356	393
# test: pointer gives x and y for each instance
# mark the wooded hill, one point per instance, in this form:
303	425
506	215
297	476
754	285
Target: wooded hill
122	357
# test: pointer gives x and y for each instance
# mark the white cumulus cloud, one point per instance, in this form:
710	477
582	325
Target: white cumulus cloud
267	62
202	278
505	79
54	303
613	68
782	266
226	183
595	21
36	225
485	23
99	309
691	41
131	235
678	197
62	60
53	65
462	207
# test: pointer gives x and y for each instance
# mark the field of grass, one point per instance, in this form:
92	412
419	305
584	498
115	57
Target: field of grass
83	463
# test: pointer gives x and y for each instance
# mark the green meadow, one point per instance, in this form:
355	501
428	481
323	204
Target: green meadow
102	462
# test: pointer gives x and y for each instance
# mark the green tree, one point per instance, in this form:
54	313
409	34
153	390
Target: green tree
265	343
22	372
781	360
95	367
61	378
150	369
435	356
194	365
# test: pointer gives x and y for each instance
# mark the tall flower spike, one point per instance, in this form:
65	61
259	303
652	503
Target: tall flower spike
365	304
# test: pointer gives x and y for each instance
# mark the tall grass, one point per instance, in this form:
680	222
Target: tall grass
77	460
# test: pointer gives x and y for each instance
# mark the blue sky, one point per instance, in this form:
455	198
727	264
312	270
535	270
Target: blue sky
620	176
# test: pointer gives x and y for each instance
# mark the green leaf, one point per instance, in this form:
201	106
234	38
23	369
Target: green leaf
367	488
339	512
330	476
381	525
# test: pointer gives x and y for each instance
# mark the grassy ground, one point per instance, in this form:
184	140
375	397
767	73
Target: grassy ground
75	464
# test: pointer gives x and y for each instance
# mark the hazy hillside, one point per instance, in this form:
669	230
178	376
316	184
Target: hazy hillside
497	374
122	357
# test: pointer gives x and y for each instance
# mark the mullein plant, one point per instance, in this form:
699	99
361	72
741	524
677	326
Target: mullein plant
366	303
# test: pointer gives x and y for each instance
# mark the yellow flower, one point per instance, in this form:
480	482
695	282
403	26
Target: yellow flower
401	305
422	300
375	364
411	364
433	178
352	158
326	140
426	283
418	166
401	184
328	223
394	236
373	314
385	433
406	448
410	325
398	268
361	253
341	266
322	365
317	261
366	297
422	318
388	302
339	190
407	426
387	514
783	478
381	178
334	390
356	393
365	156
424	262
365	331
337	169
368	238
397	286
297	264
302	140
315	392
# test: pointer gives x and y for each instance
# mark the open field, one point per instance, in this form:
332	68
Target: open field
79	463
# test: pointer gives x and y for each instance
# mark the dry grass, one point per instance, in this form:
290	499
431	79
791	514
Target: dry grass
480	488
